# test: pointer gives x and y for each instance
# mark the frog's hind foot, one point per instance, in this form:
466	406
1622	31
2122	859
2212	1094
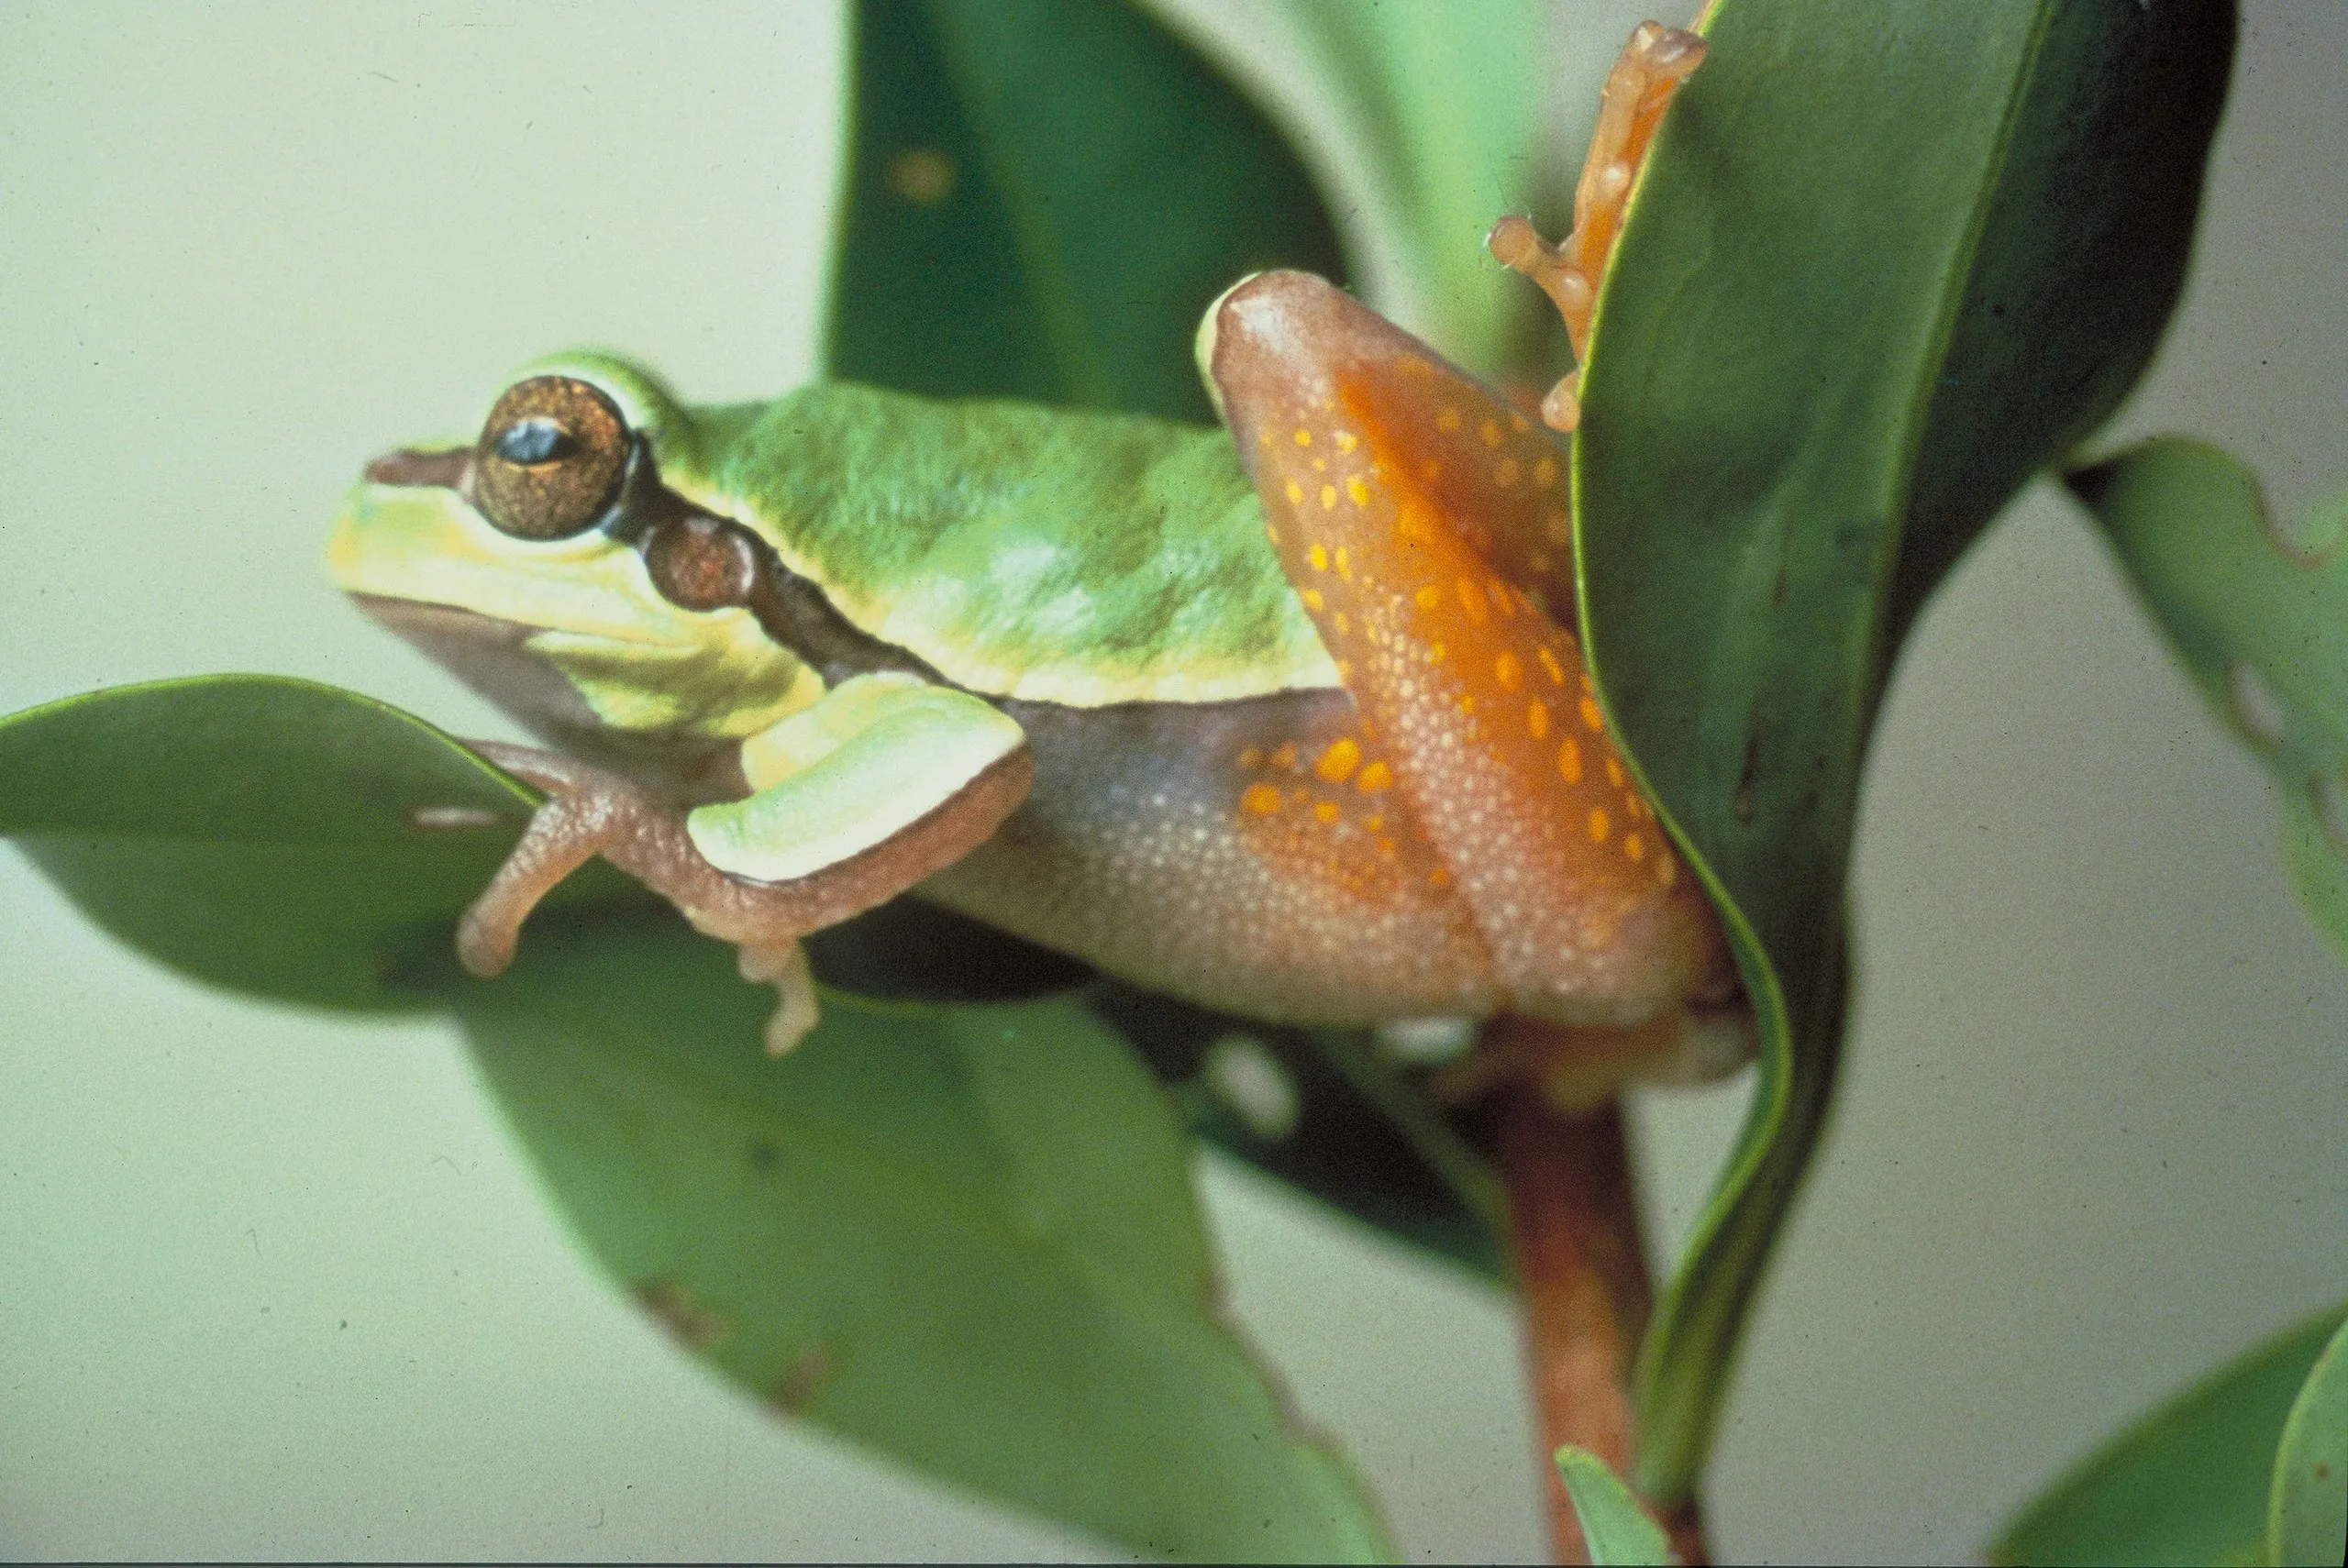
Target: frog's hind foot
1649	69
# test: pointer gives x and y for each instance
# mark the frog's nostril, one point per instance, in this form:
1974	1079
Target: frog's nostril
412	467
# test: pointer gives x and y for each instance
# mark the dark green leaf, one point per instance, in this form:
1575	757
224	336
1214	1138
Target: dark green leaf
1879	270
1613	1526
262	834
1043	197
1340	1123
966	1239
2189	1482
2307	1505
2260	616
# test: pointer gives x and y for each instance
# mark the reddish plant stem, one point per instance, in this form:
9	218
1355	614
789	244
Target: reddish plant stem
1584	1277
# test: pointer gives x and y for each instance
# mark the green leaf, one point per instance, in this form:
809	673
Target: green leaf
2260	617
1840	330
2307	1504
967	1238
1447	100
262	834
1043	197
2186	1484
1613	1526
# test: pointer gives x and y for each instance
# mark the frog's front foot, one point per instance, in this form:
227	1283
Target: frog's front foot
589	812
682	857
1650	68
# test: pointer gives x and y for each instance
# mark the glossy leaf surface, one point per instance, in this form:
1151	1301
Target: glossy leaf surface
262	834
1837	335
1043	197
2258	613
1613	1527
964	1237
2307	1502
2189	1482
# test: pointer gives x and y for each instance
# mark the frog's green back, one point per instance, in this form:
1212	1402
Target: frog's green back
1041	554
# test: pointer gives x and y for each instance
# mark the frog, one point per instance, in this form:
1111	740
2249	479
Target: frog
1287	718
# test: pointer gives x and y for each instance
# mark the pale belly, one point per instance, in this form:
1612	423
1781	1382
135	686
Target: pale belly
1141	850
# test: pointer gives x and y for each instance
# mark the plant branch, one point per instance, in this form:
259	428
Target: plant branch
1574	1225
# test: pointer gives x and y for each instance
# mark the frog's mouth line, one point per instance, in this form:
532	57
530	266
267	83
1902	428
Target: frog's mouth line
491	656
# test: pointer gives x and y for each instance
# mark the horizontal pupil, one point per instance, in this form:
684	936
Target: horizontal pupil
533	441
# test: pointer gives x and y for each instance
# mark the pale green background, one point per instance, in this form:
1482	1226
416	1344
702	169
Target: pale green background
272	1283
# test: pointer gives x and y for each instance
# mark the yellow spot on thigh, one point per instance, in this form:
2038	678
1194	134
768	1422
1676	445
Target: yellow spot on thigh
1447	421
1570	760
1303	437
1428	597
1358	491
1343	569
1471	599
1635	847
1251	757
1285	757
1375	779
1615	772
1313	600
1508	671
1319	557
1536	719
1491	431
1439	878
1505	472
1519	424
1272	534
1504	598
1345	627
1295	493
1599	825
1337	763
1468	702
1591	715
1259	800
1436	652
1411	365
1545	472
1328	498
1324	810
1556	671
1347	440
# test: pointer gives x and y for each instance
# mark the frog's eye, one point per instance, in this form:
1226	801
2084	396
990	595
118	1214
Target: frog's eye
700	563
549	459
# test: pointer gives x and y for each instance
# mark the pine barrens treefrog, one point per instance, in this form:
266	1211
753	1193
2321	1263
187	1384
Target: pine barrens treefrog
1285	720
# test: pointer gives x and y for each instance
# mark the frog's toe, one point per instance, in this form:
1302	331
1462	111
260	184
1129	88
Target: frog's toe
782	966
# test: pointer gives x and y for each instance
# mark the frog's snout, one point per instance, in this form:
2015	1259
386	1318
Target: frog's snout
409	466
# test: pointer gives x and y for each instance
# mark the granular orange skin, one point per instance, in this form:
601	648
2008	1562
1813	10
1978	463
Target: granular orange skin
1408	506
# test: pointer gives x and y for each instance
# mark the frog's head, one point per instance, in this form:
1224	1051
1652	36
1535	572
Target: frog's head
561	564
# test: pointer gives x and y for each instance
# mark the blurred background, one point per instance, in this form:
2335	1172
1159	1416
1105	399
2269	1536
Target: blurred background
278	1285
